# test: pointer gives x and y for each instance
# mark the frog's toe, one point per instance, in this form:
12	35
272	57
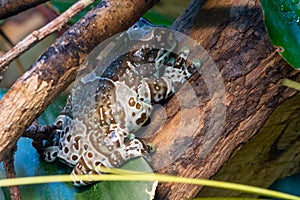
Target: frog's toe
50	153
151	148
184	52
130	137
195	65
81	168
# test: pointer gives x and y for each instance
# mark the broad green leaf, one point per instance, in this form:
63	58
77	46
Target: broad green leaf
28	163
1	194
282	20
50	114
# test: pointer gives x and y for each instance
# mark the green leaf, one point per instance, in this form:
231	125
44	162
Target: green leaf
122	189
1	194
282	20
158	18
28	163
53	110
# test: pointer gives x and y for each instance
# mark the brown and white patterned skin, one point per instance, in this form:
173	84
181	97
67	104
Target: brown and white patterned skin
103	112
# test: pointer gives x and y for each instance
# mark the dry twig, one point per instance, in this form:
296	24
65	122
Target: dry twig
11	173
40	34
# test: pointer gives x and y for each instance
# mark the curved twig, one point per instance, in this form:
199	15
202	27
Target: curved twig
40	34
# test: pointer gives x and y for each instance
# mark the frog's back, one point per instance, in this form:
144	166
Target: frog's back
105	109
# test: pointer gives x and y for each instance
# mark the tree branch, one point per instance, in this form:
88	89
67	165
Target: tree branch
38	35
56	68
9	8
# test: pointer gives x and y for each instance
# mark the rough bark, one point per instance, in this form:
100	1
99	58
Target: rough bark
251	70
271	154
9	8
56	68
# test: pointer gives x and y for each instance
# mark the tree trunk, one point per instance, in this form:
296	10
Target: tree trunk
271	154
234	102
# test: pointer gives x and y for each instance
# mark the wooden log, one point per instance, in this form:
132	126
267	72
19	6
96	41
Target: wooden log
252	72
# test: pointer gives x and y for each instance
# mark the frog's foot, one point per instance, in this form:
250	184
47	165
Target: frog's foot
151	148
136	148
51	148
179	69
81	168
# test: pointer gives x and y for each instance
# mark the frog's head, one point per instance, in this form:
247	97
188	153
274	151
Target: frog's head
153	36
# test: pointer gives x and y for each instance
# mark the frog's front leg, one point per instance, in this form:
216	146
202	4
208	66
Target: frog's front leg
51	148
177	71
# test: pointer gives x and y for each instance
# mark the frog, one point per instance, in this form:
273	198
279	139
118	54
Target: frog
104	110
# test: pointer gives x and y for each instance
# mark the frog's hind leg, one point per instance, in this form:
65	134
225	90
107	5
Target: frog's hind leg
81	168
131	149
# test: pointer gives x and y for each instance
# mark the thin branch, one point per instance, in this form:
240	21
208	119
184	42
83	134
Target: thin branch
11	44
9	8
11	173
40	34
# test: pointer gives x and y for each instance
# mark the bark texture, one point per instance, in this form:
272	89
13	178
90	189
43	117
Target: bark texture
271	154
9	8
56	67
251	74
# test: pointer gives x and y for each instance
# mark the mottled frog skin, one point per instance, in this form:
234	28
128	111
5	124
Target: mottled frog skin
103	112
